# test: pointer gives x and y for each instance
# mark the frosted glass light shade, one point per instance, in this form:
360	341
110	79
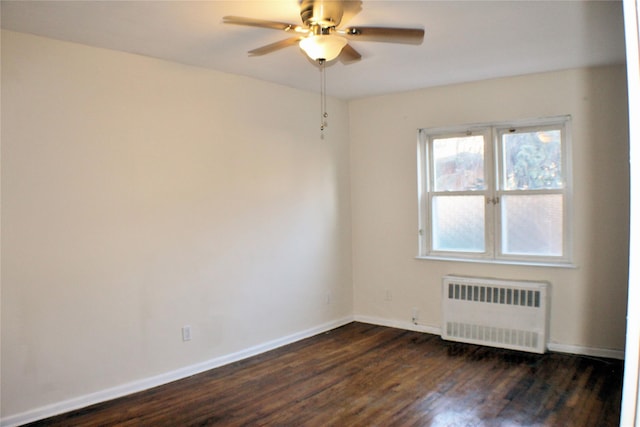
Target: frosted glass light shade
324	46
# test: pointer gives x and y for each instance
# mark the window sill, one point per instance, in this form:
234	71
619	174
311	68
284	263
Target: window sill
499	262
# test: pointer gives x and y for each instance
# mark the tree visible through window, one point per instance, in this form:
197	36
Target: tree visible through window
495	192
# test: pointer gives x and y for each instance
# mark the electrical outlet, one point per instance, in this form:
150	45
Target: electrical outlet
327	299
186	333
388	296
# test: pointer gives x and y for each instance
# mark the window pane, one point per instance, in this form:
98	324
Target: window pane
532	225
458	223
459	163
532	160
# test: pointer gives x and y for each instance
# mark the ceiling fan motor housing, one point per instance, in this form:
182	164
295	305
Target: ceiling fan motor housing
321	12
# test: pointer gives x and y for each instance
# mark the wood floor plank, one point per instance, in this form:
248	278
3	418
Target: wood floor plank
366	375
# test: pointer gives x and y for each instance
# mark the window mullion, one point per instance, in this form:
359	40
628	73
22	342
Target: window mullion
491	215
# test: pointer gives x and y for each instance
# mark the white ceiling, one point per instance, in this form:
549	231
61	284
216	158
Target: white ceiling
464	40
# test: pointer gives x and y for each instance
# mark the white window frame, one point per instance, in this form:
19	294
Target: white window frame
492	168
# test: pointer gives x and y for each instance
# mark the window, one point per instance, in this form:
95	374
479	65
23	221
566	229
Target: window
497	192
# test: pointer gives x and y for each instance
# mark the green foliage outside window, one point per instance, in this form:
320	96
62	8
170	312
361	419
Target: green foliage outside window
532	160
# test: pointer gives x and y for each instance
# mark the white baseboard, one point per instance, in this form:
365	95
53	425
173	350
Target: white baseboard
436	330
147	383
586	351
398	324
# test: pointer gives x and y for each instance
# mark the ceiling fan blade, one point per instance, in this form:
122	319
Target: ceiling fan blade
350	10
349	55
275	25
384	34
274	46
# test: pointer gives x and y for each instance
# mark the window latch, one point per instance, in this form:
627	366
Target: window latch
494	200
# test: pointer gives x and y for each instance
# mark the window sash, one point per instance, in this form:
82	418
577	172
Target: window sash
501	168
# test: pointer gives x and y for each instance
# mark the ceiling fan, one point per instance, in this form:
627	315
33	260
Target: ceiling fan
320	36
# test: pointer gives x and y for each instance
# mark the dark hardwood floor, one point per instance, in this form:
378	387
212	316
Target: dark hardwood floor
365	375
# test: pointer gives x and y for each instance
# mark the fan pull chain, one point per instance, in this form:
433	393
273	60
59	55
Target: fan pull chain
323	97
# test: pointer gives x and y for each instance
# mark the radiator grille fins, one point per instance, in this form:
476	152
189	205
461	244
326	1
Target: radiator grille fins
501	313
494	335
496	295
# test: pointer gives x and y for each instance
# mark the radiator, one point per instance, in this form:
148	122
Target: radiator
498	313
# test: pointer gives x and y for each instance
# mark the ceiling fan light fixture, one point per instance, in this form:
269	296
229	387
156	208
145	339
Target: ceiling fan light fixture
323	46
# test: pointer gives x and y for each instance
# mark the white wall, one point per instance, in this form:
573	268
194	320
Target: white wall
139	196
588	302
